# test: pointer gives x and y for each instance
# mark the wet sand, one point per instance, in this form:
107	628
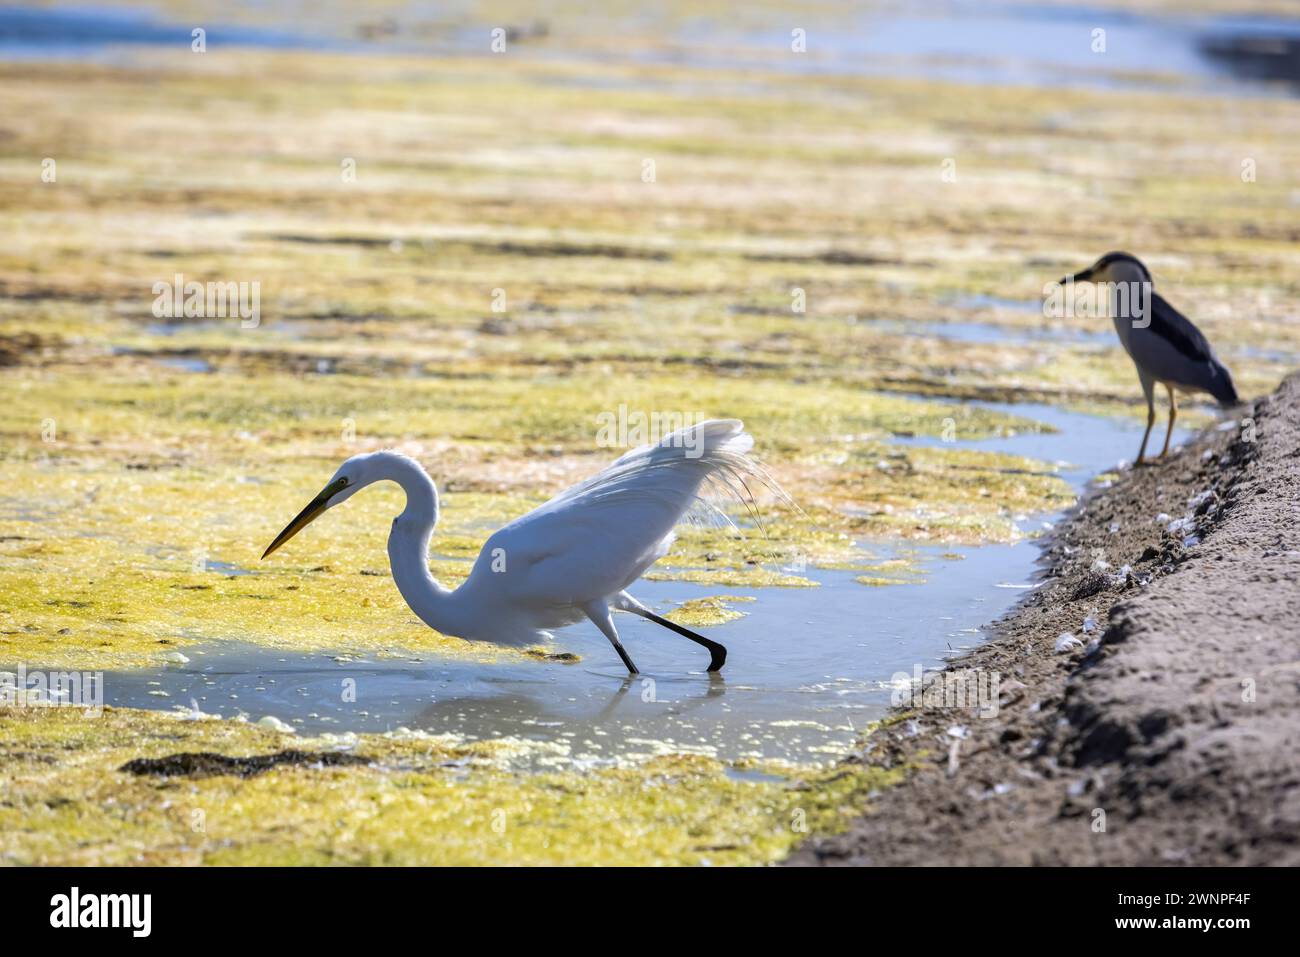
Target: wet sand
1168	733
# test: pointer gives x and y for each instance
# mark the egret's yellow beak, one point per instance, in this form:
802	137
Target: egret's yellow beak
308	514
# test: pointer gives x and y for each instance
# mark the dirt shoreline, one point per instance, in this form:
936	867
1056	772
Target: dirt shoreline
1170	734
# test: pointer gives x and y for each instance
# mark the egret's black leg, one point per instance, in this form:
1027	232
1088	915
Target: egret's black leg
717	653
627	660
599	614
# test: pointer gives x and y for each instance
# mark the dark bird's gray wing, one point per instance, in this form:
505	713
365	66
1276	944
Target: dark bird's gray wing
1172	349
1176	329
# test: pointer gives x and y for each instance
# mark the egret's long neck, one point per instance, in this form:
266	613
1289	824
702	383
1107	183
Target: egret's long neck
408	547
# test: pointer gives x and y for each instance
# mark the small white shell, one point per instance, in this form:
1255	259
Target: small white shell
272	723
1067	642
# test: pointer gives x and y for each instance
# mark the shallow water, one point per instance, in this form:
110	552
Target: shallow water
808	667
965	42
1082	446
1053	45
988	332
74	32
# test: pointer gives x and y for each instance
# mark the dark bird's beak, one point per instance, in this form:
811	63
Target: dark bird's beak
304	518
1083	276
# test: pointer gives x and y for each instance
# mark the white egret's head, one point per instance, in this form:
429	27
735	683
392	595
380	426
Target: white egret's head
1114	268
352	476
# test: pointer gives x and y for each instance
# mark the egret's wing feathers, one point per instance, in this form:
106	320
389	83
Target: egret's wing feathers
714	453
603	533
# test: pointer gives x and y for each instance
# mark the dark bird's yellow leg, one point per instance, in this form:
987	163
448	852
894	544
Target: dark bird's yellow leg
1173	416
1151	420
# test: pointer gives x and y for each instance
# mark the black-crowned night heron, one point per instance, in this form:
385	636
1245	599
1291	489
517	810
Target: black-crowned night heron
1161	341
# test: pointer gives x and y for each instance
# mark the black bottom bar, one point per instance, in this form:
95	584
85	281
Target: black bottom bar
333	906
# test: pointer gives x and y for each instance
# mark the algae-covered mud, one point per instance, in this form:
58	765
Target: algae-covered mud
512	266
128	788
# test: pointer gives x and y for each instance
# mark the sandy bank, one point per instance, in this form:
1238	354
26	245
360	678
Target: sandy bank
1171	732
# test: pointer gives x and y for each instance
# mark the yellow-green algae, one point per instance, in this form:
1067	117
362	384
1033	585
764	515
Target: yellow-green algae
419	800
135	509
712	610
735	577
896	571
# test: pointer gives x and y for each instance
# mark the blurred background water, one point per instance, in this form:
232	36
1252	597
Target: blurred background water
968	42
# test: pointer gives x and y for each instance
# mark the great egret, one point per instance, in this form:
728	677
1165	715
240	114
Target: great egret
569	558
1161	341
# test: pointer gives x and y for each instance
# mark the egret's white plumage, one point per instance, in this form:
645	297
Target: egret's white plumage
571	557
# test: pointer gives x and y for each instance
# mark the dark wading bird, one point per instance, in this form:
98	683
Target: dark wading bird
568	559
1161	341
